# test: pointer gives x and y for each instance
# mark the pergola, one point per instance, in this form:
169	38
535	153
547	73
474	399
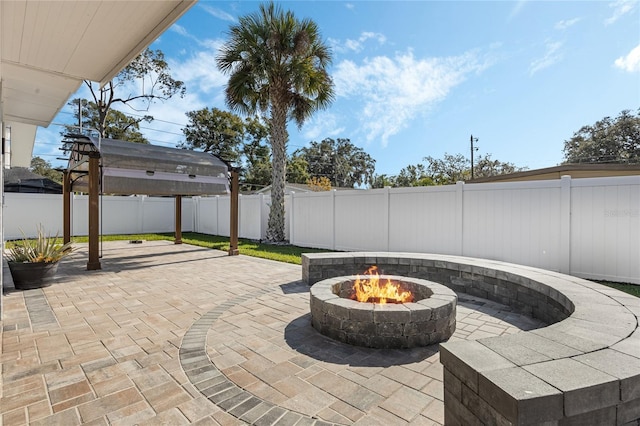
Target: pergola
109	166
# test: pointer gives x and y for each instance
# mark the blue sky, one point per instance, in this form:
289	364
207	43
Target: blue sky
417	78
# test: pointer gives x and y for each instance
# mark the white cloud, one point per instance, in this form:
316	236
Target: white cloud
551	57
350	6
631	62
564	24
200	72
170	118
393	91
179	29
516	9
205	87
218	13
620	8
350	45
48	143
380	38
322	125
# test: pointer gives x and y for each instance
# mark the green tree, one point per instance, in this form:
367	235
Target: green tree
319	184
413	175
343	163
148	71
116	125
256	169
235	140
487	167
610	140
256	172
382	181
277	65
448	170
42	167
297	169
213	130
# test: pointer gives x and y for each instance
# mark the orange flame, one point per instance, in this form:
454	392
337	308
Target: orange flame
370	290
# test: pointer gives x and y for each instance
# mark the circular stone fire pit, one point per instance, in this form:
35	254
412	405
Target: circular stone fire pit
430	319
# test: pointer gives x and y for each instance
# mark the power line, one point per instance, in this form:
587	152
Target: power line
173	123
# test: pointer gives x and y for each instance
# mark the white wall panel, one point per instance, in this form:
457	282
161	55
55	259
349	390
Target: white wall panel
519	225
158	214
25	211
418	222
313	219
207	215
250	223
188	214
223	216
120	215
605	228
361	220
588	227
264	219
80	215
287	217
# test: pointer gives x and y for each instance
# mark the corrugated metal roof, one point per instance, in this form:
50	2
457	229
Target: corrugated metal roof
133	168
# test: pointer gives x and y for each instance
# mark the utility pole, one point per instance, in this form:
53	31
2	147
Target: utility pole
473	149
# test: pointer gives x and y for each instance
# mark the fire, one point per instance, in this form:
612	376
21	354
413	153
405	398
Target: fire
369	289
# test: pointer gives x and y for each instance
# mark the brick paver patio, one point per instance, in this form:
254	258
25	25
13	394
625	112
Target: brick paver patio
163	330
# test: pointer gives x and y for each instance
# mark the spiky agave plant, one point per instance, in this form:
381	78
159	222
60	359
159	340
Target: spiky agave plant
43	249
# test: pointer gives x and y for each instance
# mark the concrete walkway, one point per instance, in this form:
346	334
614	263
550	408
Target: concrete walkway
176	334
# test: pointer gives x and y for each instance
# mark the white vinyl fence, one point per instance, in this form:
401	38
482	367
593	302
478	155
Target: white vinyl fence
118	215
584	227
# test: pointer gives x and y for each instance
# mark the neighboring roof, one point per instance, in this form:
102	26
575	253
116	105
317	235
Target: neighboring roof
48	48
296	187
576	171
133	168
21	179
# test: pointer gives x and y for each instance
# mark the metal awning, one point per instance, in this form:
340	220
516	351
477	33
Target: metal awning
131	168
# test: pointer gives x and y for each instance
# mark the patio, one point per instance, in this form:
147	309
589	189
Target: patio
112	347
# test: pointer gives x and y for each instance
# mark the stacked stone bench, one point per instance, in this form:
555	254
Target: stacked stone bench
582	369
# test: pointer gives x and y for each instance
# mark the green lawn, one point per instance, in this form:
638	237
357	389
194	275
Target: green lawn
632	289
281	253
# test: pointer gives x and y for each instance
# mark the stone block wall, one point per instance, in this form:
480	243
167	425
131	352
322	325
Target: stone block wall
430	320
582	369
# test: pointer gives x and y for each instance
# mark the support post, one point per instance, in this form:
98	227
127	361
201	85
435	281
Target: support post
66	207
233	231
94	212
459	217
333	219
565	224
178	229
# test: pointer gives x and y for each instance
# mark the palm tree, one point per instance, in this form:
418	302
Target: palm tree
276	65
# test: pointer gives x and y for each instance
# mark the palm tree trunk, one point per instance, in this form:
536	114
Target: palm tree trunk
279	136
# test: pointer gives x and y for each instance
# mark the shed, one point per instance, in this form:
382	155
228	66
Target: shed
109	166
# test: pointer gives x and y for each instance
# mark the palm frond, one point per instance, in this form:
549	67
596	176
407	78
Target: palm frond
43	248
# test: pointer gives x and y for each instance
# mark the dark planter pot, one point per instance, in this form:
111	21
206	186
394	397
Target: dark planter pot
32	275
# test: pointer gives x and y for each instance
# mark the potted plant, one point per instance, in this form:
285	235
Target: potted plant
33	263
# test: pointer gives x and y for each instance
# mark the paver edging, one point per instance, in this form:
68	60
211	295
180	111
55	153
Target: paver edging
475	371
217	388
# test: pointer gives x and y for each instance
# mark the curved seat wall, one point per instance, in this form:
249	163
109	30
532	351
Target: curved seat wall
583	368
